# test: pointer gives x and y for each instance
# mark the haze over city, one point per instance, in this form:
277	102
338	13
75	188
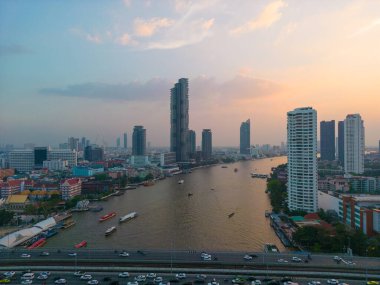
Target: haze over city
97	68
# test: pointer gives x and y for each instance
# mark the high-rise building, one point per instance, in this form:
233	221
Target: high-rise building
327	140
206	144
125	145
245	137
83	143
118	142
73	143
139	141
191	143
40	155
302	160
179	119
354	144
93	153
341	142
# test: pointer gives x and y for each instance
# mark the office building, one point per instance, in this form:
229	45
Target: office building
179	119
302	160
73	143
206	144
341	142
118	142
93	153
56	165
327	140
354	144
139	141
40	155
64	154
21	160
192	143
245	137
125	145
83	143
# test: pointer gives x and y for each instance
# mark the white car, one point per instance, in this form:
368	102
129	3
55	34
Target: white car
180	275
27	281
86	277
28	276
247	257
25	255
337	258
79	273
203	254
45	273
140	278
9	274
60	281
93	282
296	259
124	254
213	283
256	282
151	275
133	283
44	253
124	274
158	279
206	257
333	281
282	260
42	277
72	254
314	283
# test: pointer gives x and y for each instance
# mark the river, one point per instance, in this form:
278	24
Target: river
168	218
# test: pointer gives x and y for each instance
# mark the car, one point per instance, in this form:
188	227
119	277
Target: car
93	282
256	282
27	276
206	257
151	275
79	273
336	258
45	273
5	280
42	277
247	257
296	259
290	283
26	281
60	281
44	253
141	252
238	280
373	282
158	279
72	254
86	277
124	254
281	260
180	275
140	278
201	276
350	262
164	283
333	281
9	274
133	283
124	274
313	282
25	255
213	283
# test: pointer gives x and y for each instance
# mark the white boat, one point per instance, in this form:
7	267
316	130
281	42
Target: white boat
181	181
110	231
128	217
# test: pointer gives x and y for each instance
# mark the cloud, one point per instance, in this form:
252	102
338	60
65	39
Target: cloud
268	16
93	38
367	28
127	2
13	50
125	40
157	89
147	28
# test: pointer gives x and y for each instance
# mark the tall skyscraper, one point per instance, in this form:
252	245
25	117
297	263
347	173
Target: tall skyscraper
206	144
245	137
40	154
341	142
93	153
179	119
118	142
302	160
125	141
327	140
354	144
139	141
192	143
73	143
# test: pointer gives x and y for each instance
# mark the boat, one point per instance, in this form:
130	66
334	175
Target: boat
38	243
49	233
258	175
110	231
236	170
83	243
128	217
107	217
181	181
231	215
224	166
270	247
267	213
68	224
189	194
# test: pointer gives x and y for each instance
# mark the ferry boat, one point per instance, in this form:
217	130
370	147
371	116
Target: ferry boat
68	224
270	247
128	217
110	231
107	217
49	233
38	243
257	175
181	181
81	244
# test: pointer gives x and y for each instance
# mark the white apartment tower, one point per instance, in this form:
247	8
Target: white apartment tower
354	144
302	160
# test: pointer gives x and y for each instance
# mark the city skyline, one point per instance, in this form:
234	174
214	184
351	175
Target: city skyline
96	69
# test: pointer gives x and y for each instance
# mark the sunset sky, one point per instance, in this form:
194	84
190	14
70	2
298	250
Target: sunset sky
97	68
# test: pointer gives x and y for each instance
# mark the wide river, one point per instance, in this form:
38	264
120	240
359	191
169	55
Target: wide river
168	218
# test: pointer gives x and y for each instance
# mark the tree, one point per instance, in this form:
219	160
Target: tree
5	217
149	176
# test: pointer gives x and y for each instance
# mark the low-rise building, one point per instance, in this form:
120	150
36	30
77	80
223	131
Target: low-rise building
16	203
11	187
86	171
6	172
56	165
70	188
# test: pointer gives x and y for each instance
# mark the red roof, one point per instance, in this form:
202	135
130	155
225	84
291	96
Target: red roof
312	216
12	183
72	181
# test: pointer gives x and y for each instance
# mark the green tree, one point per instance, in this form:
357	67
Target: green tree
5	217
